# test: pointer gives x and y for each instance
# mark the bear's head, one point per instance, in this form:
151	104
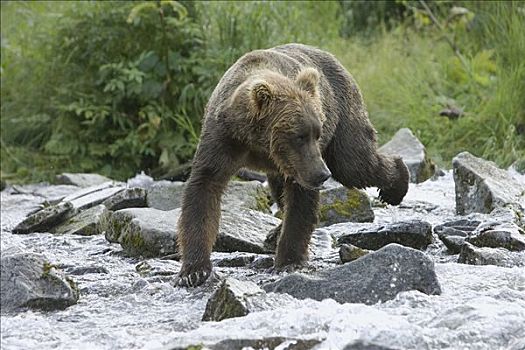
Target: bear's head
292	109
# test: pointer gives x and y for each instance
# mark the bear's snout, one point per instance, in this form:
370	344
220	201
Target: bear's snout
320	177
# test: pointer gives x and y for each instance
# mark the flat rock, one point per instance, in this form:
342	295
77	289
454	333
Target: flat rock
481	186
152	232
349	252
240	260
145	232
340	204
413	153
94	195
167	195
81	179
376	277
84	223
454	233
365	345
52	194
29	280
472	255
44	219
127	198
415	234
230	300
269	343
496	235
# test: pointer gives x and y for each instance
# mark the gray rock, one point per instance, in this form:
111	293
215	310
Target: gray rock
244	230
29	280
413	153
454	233
44	219
349	252
230	300
94	195
340	204
496	235
472	255
145	232
415	234
52	194
364	345
481	186
81	179
156	267
84	270
84	223
236	261
376	277
128	198
263	263
167	195
151	232
270	343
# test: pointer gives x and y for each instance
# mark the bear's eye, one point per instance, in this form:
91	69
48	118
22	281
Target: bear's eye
301	138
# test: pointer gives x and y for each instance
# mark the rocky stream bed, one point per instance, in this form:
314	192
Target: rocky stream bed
90	264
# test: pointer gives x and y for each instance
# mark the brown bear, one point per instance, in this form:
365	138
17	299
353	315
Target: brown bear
294	112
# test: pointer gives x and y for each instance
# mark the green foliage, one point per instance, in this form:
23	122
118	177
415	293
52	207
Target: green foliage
119	87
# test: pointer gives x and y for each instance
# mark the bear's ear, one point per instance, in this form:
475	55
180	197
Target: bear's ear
261	93
308	80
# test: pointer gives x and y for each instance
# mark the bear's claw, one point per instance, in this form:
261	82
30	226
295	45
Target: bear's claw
193	279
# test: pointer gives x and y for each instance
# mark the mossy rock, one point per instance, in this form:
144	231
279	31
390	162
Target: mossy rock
341	204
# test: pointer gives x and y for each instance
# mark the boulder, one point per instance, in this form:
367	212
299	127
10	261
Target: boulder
496	235
145	232
84	223
239	260
340	204
375	277
270	343
481	186
415	234
454	233
151	232
472	255
81	179
128	198
44	219
413	153
349	252
94	195
167	195
365	345
231	300
29	280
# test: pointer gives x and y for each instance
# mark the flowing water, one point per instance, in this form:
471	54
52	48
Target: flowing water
120	307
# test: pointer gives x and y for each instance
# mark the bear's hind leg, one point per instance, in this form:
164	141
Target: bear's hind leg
300	217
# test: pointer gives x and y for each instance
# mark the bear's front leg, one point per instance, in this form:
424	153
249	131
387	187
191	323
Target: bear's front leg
201	210
300	217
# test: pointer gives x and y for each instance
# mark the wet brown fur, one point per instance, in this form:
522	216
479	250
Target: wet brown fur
253	119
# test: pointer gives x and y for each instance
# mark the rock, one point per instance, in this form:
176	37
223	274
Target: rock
154	267
230	300
166	195
270	343
44	219
236	261
263	263
84	223
472	255
29	280
94	195
50	194
81	179
340	204
244	230
349	252
454	233
496	235
141	181
481	186
151	232
375	277
128	198
415	234
413	153
144	232
364	345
